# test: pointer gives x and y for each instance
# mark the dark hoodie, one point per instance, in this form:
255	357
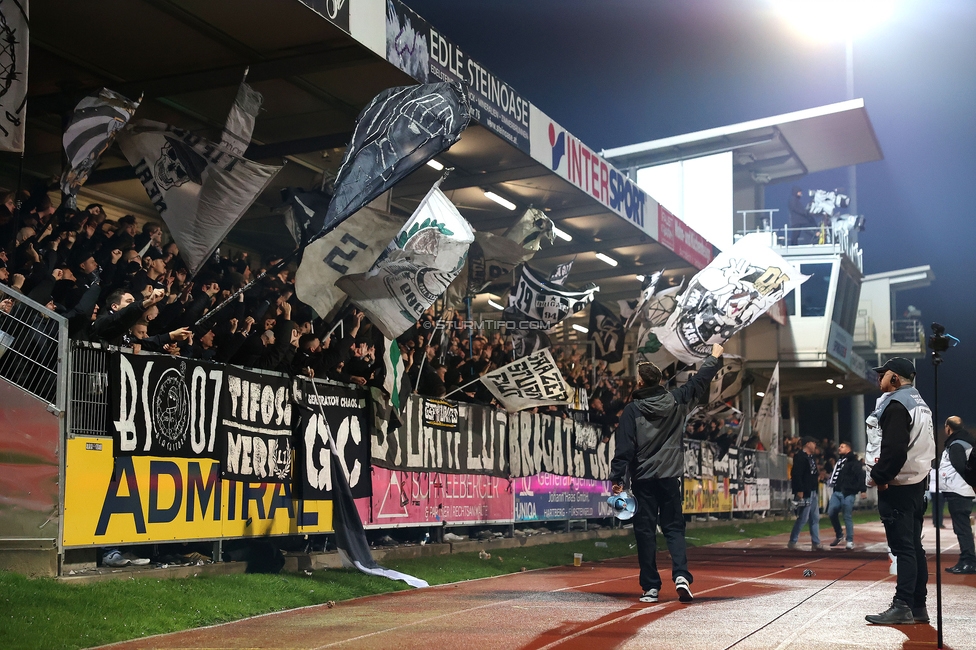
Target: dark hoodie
648	440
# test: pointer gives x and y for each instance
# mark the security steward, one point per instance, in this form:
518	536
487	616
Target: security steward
901	475
957	493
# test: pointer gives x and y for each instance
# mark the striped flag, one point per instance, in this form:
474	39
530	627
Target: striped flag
92	129
396	384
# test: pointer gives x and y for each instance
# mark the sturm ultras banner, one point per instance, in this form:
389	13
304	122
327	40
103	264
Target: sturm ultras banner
255	427
735	289
165	406
340	413
447	437
541	443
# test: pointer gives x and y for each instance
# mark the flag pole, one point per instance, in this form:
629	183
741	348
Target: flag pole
273	268
463	387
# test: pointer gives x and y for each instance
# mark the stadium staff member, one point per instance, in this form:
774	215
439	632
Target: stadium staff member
958	494
901	474
648	445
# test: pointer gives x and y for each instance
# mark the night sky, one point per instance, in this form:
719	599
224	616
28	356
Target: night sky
616	72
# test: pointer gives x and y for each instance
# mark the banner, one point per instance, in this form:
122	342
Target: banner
769	421
735	289
607	332
415	269
349	249
544	301
560	274
398	132
14	36
528	336
199	189
542	443
342	414
446	437
91	130
426	498
531	381
165	406
255	428
240	120
546	497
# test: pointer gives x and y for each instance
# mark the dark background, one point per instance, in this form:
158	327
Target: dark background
616	72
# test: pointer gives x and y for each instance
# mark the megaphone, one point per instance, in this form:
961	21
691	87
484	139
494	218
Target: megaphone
623	505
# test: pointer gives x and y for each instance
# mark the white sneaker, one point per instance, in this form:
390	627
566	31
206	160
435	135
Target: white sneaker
114	559
135	560
850	546
684	589
650	596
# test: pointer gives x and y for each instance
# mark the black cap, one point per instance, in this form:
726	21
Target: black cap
899	365
154	253
807	440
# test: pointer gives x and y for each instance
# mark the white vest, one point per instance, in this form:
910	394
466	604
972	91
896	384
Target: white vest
949	479
921	436
872	449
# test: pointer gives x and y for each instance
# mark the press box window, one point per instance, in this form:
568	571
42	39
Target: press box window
813	292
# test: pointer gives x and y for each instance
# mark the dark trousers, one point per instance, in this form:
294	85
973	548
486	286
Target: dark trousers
960	508
902	509
936	501
659	503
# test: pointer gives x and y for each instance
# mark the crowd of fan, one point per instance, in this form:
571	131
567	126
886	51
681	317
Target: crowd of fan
826	453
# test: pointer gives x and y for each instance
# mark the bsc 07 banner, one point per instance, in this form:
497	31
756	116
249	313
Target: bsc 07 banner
340	413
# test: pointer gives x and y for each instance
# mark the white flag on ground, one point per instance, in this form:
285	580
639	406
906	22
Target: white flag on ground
729	294
240	120
534	380
14	37
415	269
351	248
90	131
769	421
199	189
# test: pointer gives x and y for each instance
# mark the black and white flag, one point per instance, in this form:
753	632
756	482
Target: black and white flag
729	294
400	130
561	446
92	129
240	120
199	189
561	273
335	412
256	427
528	335
349	249
539	299
769	419
14	39
534	380
607	333
159	405
415	269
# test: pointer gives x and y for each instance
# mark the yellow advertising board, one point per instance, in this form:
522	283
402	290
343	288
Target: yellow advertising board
140	499
707	494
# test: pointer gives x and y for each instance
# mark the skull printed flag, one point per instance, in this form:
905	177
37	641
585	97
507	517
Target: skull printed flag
729	294
199	188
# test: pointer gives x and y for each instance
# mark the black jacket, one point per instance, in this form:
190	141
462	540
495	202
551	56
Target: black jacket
806	476
848	475
648	440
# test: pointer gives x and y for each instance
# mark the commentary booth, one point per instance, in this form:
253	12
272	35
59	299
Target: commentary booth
203	441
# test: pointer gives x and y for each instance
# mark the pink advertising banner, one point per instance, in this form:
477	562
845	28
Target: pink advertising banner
688	244
424	498
545	497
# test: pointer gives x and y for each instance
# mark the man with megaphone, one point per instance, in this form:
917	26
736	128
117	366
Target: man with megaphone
648	446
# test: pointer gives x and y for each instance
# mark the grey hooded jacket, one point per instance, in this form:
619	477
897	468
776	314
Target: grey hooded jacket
648	440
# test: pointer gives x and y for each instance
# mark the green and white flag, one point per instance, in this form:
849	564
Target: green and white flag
396	384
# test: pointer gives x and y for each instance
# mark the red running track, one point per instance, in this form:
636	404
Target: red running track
745	598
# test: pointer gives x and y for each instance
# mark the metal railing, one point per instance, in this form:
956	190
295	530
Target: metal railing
907	330
88	405
33	347
815	239
865	331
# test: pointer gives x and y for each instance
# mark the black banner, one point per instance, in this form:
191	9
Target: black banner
164	406
476	445
346	420
256	427
542	443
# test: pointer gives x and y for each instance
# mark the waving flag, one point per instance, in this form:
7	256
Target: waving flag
532	381
539	299
607	332
729	294
400	130
415	269
199	189
92	129
769	420
14	37
240	120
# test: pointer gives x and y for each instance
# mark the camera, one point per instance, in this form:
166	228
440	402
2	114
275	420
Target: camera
940	341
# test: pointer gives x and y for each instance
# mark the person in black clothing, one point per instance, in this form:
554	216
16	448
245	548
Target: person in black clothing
806	491
847	480
123	312
648	447
958	494
800	217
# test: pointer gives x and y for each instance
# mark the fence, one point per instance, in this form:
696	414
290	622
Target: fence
33	347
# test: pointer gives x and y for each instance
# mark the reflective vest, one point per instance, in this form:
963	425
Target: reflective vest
921	435
949	478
